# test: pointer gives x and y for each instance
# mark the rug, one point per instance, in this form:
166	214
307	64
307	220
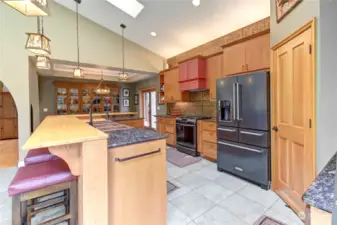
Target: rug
180	159
265	220
170	187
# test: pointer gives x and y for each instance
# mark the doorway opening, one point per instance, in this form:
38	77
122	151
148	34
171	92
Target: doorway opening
148	105
9	150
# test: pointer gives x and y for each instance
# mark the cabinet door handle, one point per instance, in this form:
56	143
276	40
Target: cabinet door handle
136	156
243	67
247	67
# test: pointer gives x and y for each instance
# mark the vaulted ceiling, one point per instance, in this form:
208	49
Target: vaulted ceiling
179	25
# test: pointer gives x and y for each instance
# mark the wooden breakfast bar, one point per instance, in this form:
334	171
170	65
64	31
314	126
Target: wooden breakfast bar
121	173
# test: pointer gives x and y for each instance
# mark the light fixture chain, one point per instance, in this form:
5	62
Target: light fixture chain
78	45
42	25
123	49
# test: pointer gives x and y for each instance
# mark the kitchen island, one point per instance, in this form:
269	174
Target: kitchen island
121	172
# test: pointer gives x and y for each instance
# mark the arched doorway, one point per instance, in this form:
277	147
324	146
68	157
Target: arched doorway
9	151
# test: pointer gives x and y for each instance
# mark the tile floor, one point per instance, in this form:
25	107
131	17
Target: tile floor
208	197
204	197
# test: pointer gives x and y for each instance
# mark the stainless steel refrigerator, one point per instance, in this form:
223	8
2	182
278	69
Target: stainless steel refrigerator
243	127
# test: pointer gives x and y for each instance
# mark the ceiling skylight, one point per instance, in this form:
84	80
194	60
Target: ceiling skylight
130	7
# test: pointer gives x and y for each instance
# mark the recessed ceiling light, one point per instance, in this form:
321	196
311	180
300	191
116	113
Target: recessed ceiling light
153	34
196	2
130	7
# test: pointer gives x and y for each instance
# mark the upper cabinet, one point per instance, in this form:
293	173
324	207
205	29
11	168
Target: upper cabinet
213	72
247	56
192	74
172	92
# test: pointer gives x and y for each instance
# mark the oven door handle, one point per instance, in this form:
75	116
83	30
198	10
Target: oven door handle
185	125
252	133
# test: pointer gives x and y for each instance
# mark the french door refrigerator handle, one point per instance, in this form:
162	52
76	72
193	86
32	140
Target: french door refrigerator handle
234	102
238	146
238	101
229	130
252	133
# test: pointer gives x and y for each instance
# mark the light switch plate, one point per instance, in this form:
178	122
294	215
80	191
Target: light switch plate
45	110
158	107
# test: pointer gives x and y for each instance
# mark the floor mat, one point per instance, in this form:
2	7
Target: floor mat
170	187
265	220
180	159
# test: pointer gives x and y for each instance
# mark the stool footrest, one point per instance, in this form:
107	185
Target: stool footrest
57	220
47	203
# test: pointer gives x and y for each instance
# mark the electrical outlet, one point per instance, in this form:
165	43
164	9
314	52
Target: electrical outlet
45	110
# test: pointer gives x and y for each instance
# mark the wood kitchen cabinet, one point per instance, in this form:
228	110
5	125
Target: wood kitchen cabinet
207	140
213	72
132	123
171	86
167	126
251	55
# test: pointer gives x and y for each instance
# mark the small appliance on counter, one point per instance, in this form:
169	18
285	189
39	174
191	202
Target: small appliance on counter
186	127
243	127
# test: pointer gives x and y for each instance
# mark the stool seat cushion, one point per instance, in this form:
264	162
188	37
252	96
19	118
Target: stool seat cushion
41	175
39	155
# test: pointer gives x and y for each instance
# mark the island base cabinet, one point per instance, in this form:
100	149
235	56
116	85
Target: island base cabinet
137	184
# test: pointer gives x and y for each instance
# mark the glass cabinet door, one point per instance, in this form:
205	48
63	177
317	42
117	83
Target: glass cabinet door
86	100
61	101
74	100
107	103
96	104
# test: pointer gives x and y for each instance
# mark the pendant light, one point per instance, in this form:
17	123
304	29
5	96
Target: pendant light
78	72
42	62
29	7
123	76
37	43
102	89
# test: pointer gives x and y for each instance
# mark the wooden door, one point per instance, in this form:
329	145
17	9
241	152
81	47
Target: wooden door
9	128
7	104
234	59
293	95
258	53
213	72
168	86
176	94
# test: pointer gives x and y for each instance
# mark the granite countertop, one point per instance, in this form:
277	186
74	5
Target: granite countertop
321	192
132	136
126	118
122	135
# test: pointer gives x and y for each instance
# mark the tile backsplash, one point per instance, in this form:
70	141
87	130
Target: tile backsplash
199	105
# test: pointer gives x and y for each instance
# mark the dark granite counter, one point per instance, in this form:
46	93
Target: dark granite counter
321	193
126	118
132	136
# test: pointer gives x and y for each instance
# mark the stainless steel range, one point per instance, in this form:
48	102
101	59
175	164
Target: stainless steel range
187	134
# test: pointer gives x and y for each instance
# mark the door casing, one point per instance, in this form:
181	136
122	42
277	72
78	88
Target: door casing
312	172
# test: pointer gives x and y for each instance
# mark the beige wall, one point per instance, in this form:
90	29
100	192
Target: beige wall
34	94
98	46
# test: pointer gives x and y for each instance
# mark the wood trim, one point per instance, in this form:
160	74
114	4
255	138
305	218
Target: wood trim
171	68
213	47
244	39
311	24
194	57
303	28
213	55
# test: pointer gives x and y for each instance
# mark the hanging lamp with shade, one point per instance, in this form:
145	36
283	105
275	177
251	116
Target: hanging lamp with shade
101	88
78	72
29	7
123	76
38	43
42	61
